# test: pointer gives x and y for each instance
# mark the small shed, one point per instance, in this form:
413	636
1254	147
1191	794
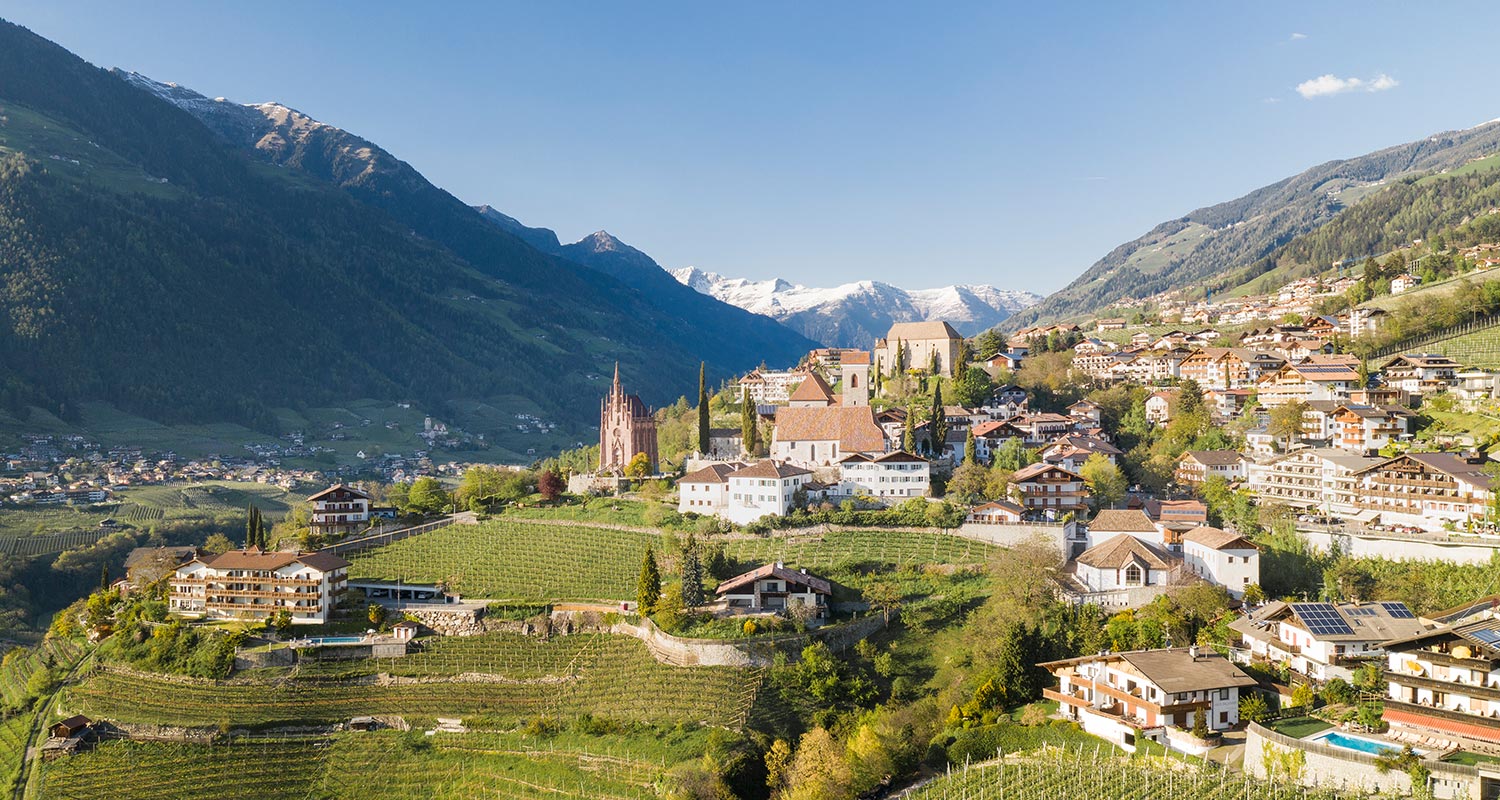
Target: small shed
405	630
363	724
70	727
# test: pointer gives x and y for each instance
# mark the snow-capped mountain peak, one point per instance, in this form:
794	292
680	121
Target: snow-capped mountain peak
856	314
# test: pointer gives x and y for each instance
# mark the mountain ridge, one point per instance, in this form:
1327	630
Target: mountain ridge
145	243
1216	246
856	314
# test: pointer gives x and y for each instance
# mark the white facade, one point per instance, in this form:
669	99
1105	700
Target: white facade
892	476
1224	559
249	584
766	489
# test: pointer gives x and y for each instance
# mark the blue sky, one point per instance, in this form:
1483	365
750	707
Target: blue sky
1011	144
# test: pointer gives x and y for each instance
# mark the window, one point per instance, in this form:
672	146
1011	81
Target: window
1133	574
1223	694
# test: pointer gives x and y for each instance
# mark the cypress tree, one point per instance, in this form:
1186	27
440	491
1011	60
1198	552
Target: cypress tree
969	454
648	588
909	433
939	426
747	425
692	574
249	526
703	428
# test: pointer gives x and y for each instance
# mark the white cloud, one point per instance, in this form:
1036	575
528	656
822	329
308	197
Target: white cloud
1324	85
1297	36
1269	100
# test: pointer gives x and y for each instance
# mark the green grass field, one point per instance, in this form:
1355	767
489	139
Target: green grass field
13	731
564	678
387	764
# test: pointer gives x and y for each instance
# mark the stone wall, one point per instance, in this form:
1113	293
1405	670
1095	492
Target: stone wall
679	651
1335	766
1466	553
449	620
1012	535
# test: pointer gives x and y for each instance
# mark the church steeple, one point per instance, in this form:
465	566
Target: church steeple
616	390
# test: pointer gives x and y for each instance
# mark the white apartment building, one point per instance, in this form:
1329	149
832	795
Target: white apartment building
252	584
339	509
893	476
706	491
1324	640
1319	478
1444	683
768	488
1149	694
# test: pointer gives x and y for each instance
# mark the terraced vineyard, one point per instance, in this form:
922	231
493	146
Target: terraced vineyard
1478	349
13	732
841	548
514	679
17	669
520	560
41	544
1055	775
383	764
536	561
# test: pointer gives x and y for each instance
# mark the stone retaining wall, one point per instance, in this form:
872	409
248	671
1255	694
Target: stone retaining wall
683	652
1327	765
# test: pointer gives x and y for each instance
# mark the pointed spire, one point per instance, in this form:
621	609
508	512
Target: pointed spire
617	376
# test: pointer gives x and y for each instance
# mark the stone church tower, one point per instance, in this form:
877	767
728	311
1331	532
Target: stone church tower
626	427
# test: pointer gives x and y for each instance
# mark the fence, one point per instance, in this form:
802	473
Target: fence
385	538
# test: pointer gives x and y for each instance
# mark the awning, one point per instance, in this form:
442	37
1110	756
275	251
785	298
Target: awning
1366	516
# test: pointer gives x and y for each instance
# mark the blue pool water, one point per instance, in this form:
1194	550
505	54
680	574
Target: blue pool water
1361	744
336	640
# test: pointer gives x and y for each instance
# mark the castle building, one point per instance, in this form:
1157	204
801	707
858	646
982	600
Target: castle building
626	427
920	345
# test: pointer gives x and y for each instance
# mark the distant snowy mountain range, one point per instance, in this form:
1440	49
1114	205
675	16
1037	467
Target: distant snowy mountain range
856	314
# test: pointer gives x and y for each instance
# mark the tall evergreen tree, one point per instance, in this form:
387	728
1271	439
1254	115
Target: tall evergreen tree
704	432
747	425
900	365
250	526
939	425
692	573
648	587
969	448
909	432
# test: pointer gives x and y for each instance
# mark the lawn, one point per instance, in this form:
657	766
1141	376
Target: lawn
1470	759
1298	727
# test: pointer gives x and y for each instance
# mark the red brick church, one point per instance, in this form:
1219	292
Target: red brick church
626	427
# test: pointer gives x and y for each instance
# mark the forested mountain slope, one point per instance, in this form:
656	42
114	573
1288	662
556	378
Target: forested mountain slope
1205	245
147	262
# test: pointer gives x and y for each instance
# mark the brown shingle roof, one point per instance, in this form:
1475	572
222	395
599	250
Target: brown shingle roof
1125	521
1215	458
776	571
813	389
855	357
256	559
713	473
336	487
909	331
1116	552
770	469
1218	539
853	427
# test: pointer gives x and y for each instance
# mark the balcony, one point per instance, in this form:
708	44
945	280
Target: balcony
1472	725
1469	690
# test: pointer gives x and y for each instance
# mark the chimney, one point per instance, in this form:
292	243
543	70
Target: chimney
1193	652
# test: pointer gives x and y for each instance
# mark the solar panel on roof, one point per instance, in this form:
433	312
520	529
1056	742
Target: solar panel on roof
1360	611
1490	637
1398	611
1322	619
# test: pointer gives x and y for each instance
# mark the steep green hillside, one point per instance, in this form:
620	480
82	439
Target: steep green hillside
1211	246
171	275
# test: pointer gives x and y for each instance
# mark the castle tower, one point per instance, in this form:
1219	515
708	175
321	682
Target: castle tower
626	427
854	368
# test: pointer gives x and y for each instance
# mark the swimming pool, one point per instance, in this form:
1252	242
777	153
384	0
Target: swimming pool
1359	743
318	640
